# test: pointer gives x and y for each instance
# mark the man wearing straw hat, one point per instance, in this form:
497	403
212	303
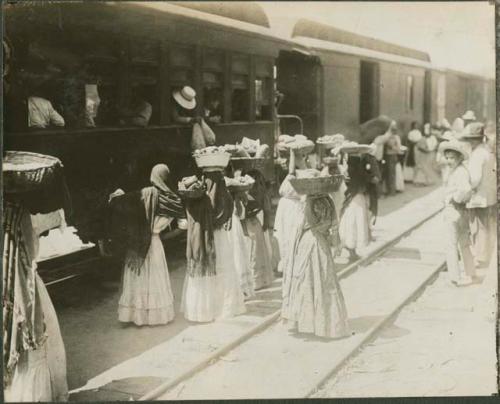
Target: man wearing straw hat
482	205
457	193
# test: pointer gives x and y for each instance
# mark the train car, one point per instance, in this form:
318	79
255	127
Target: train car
350	79
337	79
59	48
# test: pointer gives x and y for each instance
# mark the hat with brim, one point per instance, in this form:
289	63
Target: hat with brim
186	97
473	131
455	146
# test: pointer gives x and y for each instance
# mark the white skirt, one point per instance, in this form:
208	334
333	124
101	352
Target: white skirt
286	225
241	258
354	225
147	297
40	375
207	298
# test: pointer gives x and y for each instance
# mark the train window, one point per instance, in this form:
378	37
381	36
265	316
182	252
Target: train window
263	99
240	97
213	60
410	93
212	105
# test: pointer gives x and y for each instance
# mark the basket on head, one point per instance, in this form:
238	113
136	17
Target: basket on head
240	188
27	172
316	185
212	161
248	163
191	193
329	161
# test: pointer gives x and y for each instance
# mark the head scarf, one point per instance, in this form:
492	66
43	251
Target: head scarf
158	199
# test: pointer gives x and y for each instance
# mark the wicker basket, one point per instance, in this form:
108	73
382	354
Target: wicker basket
326	145
240	188
191	193
27	172
285	148
248	163
212	160
330	161
317	185
357	149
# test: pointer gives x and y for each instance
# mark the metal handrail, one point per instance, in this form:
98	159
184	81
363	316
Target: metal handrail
293	117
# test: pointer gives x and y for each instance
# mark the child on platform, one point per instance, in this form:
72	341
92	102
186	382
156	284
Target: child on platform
457	192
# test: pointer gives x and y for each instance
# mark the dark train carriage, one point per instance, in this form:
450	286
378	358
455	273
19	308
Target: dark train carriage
58	48
469	92
351	79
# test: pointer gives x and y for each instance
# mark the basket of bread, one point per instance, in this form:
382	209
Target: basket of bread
330	141
239	184
27	172
356	148
191	188
212	158
298	142
312	182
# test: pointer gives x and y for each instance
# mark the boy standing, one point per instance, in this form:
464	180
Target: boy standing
457	192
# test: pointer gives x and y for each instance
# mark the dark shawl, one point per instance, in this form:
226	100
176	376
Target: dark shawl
363	180
23	321
221	199
132	216
259	199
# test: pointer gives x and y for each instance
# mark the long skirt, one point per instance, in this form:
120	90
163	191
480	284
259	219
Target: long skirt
147	297
242	258
230	290
354	228
40	375
285	226
313	301
200	298
424	173
260	259
400	179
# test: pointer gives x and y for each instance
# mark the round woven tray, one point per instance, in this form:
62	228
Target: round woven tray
191	193
248	163
330	160
213	160
285	148
317	185
27	172
326	145
359	149
240	188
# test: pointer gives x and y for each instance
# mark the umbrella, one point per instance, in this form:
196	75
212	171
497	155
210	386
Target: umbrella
373	128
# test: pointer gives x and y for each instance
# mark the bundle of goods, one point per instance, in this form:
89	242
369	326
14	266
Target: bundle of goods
212	158
36	180
297	142
239	184
331	141
250	146
311	182
356	148
191	187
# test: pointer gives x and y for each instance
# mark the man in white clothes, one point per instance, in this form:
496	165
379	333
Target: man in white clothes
482	205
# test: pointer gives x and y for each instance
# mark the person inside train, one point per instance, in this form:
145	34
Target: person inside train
184	113
41	113
140	110
213	110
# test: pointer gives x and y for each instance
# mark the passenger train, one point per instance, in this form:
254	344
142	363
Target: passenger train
332	80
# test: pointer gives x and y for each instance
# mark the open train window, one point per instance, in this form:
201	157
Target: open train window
410	93
182	67
369	91
213	84
263	90
240	96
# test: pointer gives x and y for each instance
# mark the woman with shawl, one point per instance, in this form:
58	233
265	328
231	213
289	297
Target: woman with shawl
259	204
425	158
211	287
289	204
312	298
138	219
414	136
361	203
34	357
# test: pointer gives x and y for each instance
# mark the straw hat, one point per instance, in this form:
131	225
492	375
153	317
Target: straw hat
469	116
473	130
186	97
454	145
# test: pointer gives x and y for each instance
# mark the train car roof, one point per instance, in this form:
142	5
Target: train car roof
311	29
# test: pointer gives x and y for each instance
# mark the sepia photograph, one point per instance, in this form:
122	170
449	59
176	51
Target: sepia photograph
249	200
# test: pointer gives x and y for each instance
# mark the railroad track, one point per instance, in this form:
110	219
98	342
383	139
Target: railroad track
252	356
232	362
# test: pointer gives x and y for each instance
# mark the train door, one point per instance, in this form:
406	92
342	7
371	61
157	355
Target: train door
299	78
369	91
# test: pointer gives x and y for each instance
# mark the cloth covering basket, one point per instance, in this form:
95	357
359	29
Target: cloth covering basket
317	185
212	160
